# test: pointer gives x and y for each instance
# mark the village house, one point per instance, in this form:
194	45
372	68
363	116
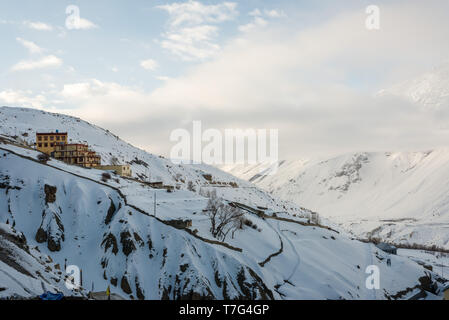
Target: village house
45	142
55	145
123	170
77	154
388	248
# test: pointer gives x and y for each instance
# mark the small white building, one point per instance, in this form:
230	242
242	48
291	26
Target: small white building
122	170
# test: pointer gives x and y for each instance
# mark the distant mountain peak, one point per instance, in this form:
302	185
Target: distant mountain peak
430	90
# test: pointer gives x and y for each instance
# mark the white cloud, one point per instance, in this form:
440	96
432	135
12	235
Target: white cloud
106	101
31	46
22	99
45	62
191	34
255	13
275	13
81	24
305	82
195	13
149	64
257	23
41	26
192	43
260	19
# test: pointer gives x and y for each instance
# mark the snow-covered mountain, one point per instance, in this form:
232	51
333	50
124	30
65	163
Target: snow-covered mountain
430	90
401	197
53	214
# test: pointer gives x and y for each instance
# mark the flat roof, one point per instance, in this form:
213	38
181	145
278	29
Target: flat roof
74	144
385	246
116	165
47	133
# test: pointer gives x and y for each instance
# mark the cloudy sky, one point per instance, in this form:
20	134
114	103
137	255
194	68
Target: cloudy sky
310	69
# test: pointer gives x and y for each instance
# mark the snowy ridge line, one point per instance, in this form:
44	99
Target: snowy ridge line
301	223
265	216
128	204
399	197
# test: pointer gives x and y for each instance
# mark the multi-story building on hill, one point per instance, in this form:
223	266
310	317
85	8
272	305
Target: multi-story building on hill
77	154
55	145
45	142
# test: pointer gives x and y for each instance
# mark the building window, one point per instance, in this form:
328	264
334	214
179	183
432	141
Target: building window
45	145
40	145
52	138
52	144
39	138
46	138
57	138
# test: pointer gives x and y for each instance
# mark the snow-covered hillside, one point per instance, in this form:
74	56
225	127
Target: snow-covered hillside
24	123
24	270
401	197
109	229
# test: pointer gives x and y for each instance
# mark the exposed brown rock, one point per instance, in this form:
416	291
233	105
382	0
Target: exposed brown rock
50	193
54	245
41	236
124	284
127	243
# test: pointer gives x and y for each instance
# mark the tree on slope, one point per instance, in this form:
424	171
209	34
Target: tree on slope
223	217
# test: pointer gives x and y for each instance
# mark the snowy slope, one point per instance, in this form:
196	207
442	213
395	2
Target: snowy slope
138	254
24	271
108	229
22	123
401	197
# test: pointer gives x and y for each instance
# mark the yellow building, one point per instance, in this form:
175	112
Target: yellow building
46	142
446	293
122	170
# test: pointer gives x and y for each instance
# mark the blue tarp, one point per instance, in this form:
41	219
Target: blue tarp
51	296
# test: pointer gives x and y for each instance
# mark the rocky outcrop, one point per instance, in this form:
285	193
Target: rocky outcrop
139	291
252	286
41	236
124	284
50	194
51	231
111	212
128	245
54	245
108	242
